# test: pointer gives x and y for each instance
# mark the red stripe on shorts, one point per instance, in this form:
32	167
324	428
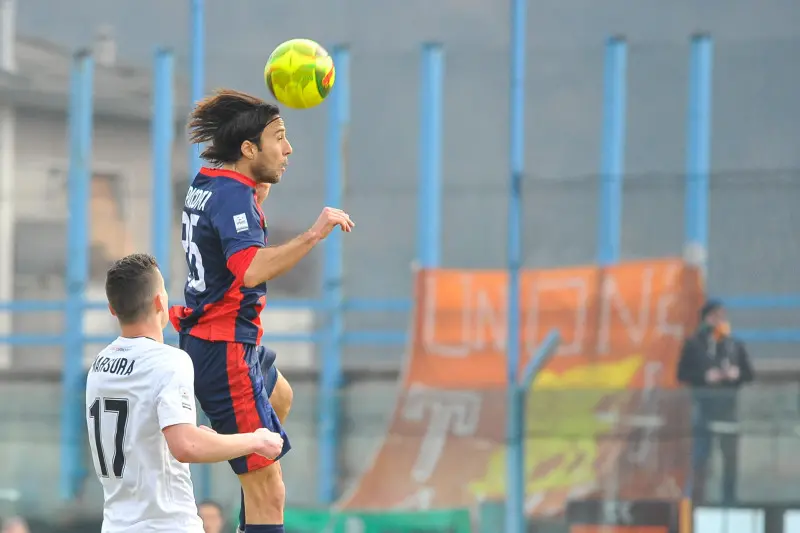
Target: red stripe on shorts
244	400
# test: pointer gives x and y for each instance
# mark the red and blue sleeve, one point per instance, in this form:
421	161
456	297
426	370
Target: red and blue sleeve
237	220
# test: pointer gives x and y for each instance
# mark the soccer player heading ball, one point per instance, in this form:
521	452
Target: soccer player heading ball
225	241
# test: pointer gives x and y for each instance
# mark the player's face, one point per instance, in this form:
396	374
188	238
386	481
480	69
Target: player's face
212	520
270	162
717	317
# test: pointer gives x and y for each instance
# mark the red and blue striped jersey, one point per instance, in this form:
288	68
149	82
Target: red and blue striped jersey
222	229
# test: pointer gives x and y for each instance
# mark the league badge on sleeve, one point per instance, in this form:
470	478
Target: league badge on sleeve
186	399
240	223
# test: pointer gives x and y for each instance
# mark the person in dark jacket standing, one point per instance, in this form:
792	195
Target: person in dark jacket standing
714	364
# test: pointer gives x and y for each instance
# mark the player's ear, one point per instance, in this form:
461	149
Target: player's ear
161	302
111	310
249	150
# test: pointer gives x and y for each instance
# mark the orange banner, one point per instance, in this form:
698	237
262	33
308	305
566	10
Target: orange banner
603	412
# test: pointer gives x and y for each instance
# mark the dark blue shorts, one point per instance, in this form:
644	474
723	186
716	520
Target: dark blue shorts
232	382
266	358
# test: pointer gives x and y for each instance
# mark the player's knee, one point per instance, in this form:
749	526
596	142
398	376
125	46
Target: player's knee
282	397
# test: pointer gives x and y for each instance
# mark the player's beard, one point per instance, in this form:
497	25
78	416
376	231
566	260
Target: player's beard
264	174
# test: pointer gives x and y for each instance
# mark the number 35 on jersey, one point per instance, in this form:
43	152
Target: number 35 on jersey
197	273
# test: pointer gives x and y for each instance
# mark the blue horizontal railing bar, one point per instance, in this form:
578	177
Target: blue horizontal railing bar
363	338
375	338
28	339
173	339
362	305
33	306
357	305
378	337
353	337
768	335
365	305
315	305
762	301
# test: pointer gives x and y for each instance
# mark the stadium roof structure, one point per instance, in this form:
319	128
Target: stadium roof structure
42	81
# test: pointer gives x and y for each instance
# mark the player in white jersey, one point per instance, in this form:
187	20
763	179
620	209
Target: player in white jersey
141	413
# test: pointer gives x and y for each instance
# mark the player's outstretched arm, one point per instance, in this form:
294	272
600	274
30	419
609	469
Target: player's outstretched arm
191	444
175	408
273	261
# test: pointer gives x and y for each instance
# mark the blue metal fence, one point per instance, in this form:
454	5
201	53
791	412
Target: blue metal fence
79	183
333	295
515	461
333	335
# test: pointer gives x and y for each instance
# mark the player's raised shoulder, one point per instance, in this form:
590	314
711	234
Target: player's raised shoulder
174	359
229	197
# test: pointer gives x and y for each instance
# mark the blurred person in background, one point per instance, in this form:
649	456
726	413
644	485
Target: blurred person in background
15	524
714	364
212	516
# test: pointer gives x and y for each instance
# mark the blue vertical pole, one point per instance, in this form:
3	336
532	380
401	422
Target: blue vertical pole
77	271
198	74
612	164
698	149
162	137
331	371
198	82
429	214
515	499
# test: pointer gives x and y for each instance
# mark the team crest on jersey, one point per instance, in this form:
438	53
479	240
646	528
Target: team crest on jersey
240	223
186	399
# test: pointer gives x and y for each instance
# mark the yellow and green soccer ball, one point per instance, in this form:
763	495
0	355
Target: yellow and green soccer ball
300	73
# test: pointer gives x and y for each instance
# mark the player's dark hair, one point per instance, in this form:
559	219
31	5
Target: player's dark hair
226	119
130	287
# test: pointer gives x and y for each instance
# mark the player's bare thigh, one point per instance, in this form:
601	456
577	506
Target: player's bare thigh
264	495
281	397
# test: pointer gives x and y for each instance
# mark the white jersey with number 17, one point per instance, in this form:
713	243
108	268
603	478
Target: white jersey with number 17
137	387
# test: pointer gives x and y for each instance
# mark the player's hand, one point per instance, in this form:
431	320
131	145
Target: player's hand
268	443
329	219
713	375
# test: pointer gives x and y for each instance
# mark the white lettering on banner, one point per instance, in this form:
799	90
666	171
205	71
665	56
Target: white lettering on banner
495	319
462	349
421	500
643	452
636	329
482	324
610	296
449	413
475	320
667	302
579	286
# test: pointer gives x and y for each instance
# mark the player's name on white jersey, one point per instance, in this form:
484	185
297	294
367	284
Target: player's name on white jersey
197	198
121	366
136	387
